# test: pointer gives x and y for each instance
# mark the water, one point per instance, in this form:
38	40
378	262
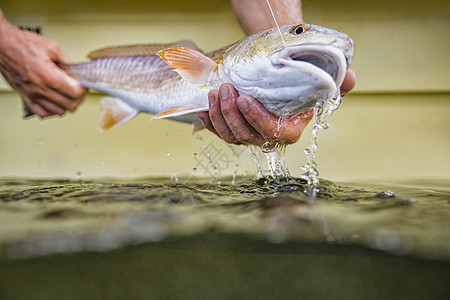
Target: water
42	217
322	111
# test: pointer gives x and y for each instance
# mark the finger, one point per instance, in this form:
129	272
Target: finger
294	126
217	119
349	82
67	85
40	92
258	117
236	122
38	110
270	127
57	54
71	93
61	81
50	107
204	116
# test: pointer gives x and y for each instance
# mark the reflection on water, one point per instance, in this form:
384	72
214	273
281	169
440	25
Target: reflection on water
39	217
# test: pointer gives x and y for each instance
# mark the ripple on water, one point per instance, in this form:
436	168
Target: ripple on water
39	217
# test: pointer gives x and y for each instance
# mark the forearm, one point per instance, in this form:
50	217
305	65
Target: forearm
4	27
254	15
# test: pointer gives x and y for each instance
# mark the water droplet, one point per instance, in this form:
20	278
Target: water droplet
78	175
168	153
195	169
322	111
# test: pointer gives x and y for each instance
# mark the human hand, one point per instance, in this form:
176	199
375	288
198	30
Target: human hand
28	63
242	119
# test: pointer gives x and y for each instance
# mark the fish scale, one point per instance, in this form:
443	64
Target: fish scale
173	80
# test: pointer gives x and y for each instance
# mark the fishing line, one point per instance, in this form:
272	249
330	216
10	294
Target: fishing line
276	23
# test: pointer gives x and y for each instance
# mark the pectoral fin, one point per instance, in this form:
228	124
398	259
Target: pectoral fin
179	110
190	64
114	112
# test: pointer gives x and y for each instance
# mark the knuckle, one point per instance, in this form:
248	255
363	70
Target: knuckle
44	76
52	46
227	110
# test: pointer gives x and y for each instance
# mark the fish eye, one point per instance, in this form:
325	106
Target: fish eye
299	29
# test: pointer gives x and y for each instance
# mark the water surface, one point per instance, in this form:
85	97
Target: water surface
41	217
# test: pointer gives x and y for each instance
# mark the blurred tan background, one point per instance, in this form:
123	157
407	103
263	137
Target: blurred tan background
395	124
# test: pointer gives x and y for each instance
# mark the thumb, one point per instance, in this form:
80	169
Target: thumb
58	55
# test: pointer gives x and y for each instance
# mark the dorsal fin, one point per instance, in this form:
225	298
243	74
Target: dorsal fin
138	49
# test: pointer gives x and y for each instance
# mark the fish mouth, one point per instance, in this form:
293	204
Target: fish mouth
325	57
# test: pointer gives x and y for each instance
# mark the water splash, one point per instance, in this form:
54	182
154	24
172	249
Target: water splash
322	111
255	154
236	155
276	160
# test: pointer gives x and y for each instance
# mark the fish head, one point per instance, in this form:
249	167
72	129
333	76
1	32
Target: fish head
288	76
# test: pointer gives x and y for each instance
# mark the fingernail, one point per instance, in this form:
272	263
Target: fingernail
243	104
212	99
224	92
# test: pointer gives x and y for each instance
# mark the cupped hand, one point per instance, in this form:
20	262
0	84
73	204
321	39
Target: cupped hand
28	63
242	119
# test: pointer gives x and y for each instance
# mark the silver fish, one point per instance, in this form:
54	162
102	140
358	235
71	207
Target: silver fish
287	78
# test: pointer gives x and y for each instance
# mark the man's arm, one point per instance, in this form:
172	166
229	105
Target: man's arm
255	16
28	63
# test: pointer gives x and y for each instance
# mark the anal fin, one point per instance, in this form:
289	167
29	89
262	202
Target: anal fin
179	111
114	112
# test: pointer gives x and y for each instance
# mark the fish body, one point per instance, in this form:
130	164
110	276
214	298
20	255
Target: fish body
288	76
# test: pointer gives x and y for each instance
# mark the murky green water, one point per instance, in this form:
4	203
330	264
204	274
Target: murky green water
41	217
